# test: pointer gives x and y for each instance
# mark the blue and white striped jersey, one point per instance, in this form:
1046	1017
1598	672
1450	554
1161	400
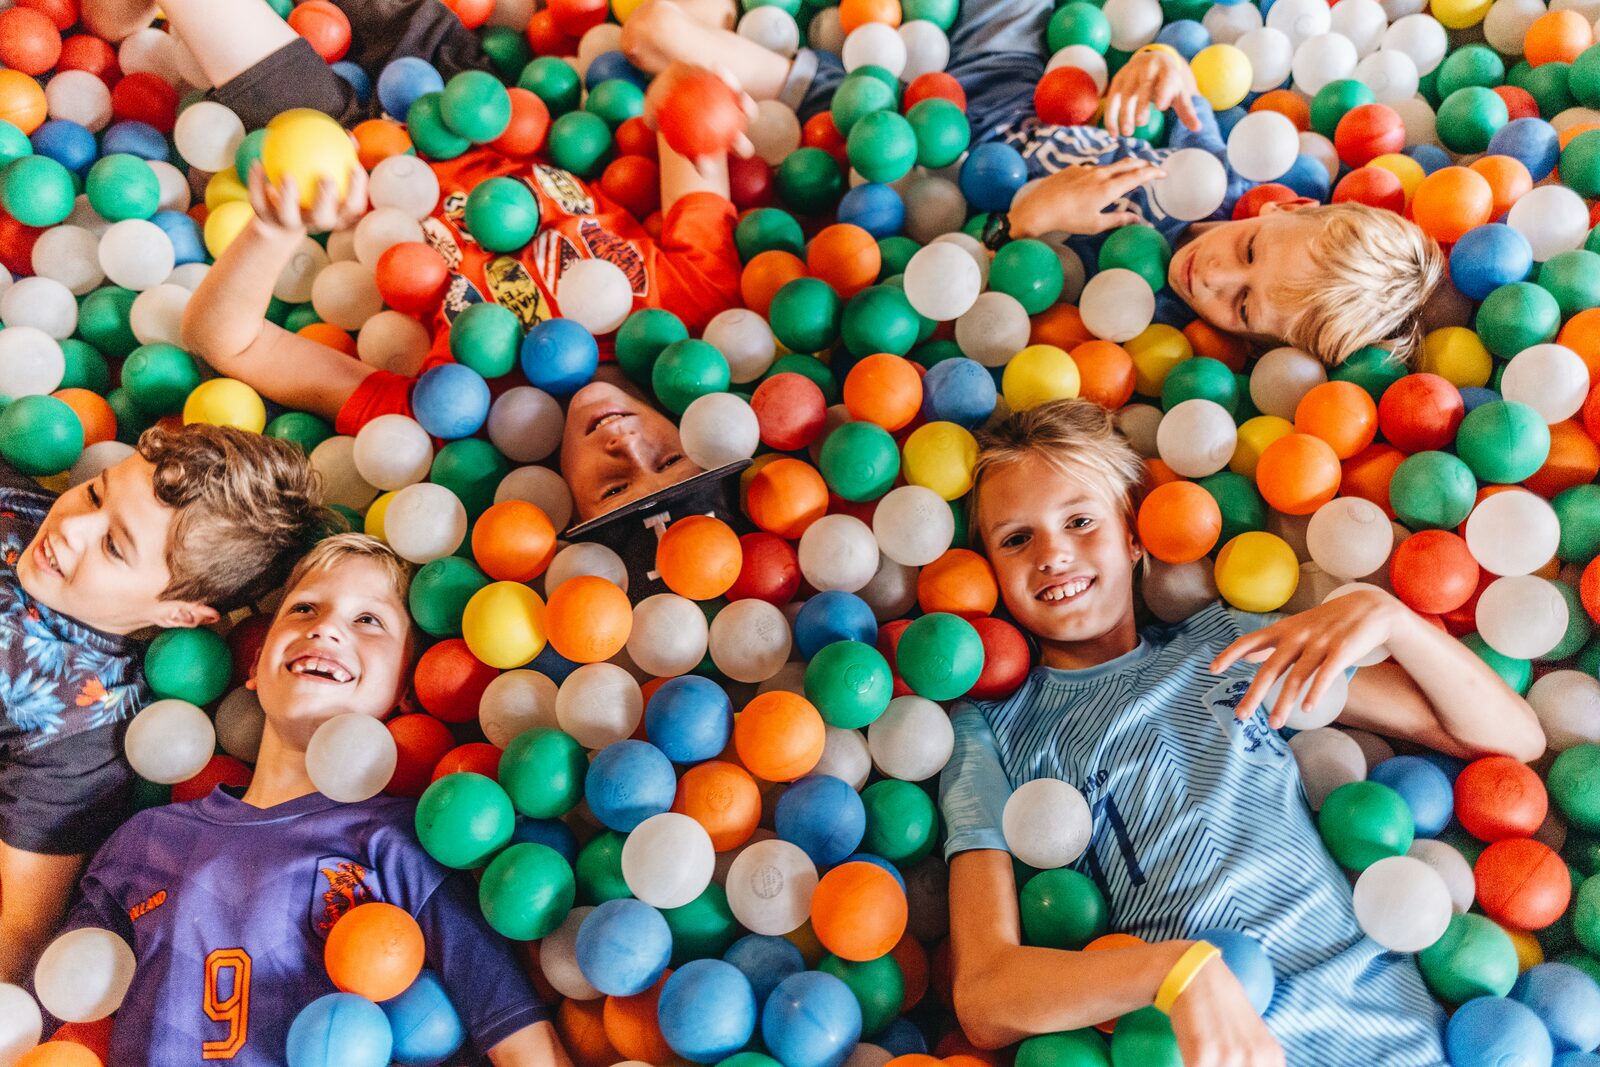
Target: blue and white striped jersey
1199	821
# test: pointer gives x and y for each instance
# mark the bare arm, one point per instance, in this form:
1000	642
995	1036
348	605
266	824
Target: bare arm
663	32
34	890
532	1046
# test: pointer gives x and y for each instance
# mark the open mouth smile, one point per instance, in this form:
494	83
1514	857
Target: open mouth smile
320	668
1067	590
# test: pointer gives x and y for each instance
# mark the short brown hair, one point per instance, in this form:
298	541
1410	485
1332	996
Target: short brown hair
343	546
247	506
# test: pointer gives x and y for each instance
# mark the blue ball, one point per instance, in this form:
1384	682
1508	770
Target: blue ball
1566	1000
69	144
614	64
552	833
450	401
901	1038
1474	396
1431	156
559	356
1577	1059
765	960
811	1020
425	1024
1185	35
1308	177
629	781
822	815
876	208
552	664
958	390
402	81
188	246
1497	1032
1488	257
868	857
340	1030
623	946
1227	120
360	83
992	175
1427	791
1248	961
134	139
707	1010
833	616
1452	766
689	718
1534	142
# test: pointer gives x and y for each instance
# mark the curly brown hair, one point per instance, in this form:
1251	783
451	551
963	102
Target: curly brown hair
248	506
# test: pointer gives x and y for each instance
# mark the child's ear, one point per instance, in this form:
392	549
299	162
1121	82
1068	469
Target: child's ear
1296	204
184	614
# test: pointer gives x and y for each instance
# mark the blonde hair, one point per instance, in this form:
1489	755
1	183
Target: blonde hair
1079	437
1374	272
343	546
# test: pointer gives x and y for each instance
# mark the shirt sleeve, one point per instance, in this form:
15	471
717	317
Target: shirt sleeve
974	787
64	797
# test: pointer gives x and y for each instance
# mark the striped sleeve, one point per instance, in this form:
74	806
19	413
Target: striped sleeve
974	788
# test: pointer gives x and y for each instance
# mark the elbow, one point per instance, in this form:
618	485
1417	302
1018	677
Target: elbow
205	337
975	1012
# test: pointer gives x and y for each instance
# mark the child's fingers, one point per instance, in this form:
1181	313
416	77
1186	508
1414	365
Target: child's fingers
1125	182
1110	220
1232	654
1266	674
1113	112
1184	104
743	147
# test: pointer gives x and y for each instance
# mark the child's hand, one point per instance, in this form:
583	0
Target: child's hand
664	85
1156	78
278	206
1215	1024
1075	200
1312	647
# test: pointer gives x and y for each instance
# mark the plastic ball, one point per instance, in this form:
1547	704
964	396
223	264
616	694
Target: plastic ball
308	147
83	975
1522	884
707	1010
811	1020
1117	305
623	947
425	1025
1257	571
169	741
1566	999
588	619
1194	187
1553	219
599	703
1402	904
1522	616
1046	823
1263	146
749	642
942	282
349	761
374	950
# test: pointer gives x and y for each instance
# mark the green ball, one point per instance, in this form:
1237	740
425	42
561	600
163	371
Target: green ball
85	367
300	317
502	215
1239	501
616	100
941	129
507	50
1503	441
600	869
1573	277
431	136
472	469
850	684
1574	783
487	337
895	252
879	319
643	336
103	321
191	664
463	819
300	428
121	187
1578	510
14	144
749	1059
37	191
687	371
1062	908
810	367
1474	958
1079	23
1372	368
1583	77
1432	491
940	656
702	928
859	95
1138	248
1070	1048
475	106
806	314
555	82
131	422
1469	117
942	13
439	594
860	461
900	821
1030	271
1582	851
1580	165
159	377
809	182
1579	628
526	891
1549	83
1584	962
882	147
1364	822
1516	673
581	142
1144	1038
765	229
1586	915
1473	64
1200	378
878	985
1336	99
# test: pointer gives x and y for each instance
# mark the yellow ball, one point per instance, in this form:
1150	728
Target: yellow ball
504	624
1155	352
1223	74
804	938
1402	166
624	9
224	224
1529	952
1257	572
1254	437
377	511
940	456
226	402
1459	14
308	146
1456	354
1037	375
224	187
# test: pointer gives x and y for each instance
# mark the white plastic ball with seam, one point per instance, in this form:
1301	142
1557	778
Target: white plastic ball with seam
667	860
21	1023
1194	187
942	282
136	254
157	314
71	256
1117	305
1085	59
1420	37
1322	59
745	341
1134	23
425	522
585	557
1568	705
1402	904
927	48
770	885
1197	438
31	361
838	552
913	525
406	184
669	636
1226	23
1513	532
1270	53
393	341
1522	616
1300	20
525	424
595	294
1392	77
1349	537
1263	146
334	462
345	293
874	44
1046	823
750	640
775	131
845	755
81	97
240	723
558	957
912	740
994	329
169	741
772	28
541	487
892	591
514	703
84	974
1551	379
42	303
1328	758
1175	591
351	758
598	704
718	429
1281	378
1451	867
1361	22
207	135
393	451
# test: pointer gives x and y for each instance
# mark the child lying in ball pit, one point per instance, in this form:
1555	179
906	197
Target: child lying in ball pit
190	524
232	896
1199	816
1328	279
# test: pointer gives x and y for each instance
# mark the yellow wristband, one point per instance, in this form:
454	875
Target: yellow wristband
1183	974
1159	48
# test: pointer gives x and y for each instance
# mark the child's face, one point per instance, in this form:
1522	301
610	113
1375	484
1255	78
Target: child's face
337	645
1230	272
100	555
616	449
1061	550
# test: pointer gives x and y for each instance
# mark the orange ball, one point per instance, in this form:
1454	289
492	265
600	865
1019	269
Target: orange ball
476	757
99	421
915	1059
1288	103
779	736
1582	335
1340	413
632	1026
22	101
854	13
785	497
913	960
1157	473
1060	325
326	333
58	1054
883	389
29	41
960	582
764	275
1298	473
845	256
723	798
581	1024
858	911
699	557
1105	373
95	1036
588	619
1508	179
513	541
1522	883
378	139
1179	522
375	950
1368	474
420	742
1212	343
324	26
1451	201
1574	459
1557	37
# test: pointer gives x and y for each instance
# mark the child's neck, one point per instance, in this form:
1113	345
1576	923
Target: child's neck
280	774
1077	655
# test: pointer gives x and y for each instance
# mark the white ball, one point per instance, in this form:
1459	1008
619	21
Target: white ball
1194	187
1328	758
207	135
585	557
100	456
718	429
1399	9
425	522
750	640
1139	423
1568	706
81	97
875	44
595	294
1281	378
942	282
667	860
1319	60
1226	23
392	452
769	887
188	275
334	462
744	339
136	254
406	184
772	28
1197	438
1175	591
1373	748
838	552
151	51
927	48
1046	823
1421	37
1522	616
558	958
1300	20
912	740
1134	23
84	974
1507	23
935	206
351	758
42	303
599	703
20	1021
1270	53
1451	867
1573	116
605	37
525	424
791	678
1422	125
84	216
994	329
542	487
157	314
380	230
1085	59
845	756
514	703
669	636
394	342
1117	305
1362	23
346	294
826	32
1349	537
1513	532
1322	150
31	361
1325	711
175	193
240	723
1391	75
892	591
1402	904
913	525
1263	146
69	255
1551	379
169	741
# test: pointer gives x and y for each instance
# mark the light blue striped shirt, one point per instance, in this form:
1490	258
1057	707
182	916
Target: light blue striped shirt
1199	821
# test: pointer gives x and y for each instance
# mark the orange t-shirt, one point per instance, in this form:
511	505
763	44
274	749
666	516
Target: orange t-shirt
692	269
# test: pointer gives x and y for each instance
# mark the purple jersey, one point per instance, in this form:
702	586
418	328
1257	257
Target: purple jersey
227	907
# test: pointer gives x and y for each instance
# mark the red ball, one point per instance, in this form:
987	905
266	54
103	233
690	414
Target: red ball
749	182
530	122
1006	659
420	742
477	757
16	244
244	642
770	570
143	97
1420	413
1372	186
1497	798
546	39
635	138
412	277
935	83
1066	96
472	13
819	131
1464	620
791	411
635	183
1250	204
1367	132
701	116
29	41
1589	589
450	681
1520	103
888	646
221	769
577	17
324	27
1432	571
1522	883
83	52
63	14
